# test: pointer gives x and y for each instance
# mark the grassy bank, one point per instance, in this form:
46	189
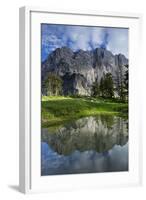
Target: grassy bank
59	109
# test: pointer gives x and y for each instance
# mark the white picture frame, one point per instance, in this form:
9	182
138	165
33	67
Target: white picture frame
29	160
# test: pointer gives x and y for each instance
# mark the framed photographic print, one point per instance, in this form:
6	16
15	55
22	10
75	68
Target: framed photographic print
79	102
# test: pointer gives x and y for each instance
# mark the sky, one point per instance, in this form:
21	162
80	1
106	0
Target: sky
83	37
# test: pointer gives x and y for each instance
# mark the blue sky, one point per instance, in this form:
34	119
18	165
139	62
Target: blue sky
83	37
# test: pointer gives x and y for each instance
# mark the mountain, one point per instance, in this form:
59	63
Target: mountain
88	133
79	70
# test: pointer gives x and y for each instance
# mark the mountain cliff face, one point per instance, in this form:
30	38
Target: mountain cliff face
88	133
79	70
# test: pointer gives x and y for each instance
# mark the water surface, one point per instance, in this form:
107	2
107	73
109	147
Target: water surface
90	144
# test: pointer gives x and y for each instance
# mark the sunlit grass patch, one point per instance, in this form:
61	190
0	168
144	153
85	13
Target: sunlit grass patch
57	109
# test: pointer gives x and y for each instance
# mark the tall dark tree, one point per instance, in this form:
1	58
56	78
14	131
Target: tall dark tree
101	87
107	86
122	82
95	89
53	85
126	82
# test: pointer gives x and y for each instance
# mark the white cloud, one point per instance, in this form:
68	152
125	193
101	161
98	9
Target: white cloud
118	41
86	38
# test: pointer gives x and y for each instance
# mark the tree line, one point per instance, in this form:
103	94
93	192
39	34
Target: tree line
52	86
106	88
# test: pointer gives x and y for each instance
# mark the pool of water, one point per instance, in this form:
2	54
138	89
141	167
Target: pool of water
87	145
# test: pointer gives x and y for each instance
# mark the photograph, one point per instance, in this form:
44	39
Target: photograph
84	99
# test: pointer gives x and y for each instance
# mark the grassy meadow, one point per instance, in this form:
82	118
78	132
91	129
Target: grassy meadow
59	109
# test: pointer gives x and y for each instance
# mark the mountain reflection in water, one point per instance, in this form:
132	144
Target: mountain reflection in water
90	144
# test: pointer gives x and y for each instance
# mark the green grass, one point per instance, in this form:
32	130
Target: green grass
59	109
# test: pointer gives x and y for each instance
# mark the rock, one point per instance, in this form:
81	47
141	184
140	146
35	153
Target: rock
80	69
74	84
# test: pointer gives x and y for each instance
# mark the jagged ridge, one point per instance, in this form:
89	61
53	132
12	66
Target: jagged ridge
80	69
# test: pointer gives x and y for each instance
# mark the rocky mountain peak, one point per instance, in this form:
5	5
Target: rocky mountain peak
80	69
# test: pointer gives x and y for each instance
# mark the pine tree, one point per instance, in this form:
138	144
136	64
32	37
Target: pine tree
122	82
53	85
101	87
107	86
95	89
126	83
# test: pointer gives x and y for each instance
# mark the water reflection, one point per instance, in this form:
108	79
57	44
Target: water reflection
90	144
